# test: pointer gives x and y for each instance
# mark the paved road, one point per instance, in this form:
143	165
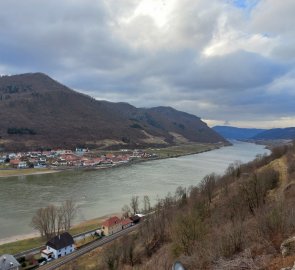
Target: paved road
63	260
37	250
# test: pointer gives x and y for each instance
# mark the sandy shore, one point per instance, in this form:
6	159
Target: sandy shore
24	173
82	224
18	238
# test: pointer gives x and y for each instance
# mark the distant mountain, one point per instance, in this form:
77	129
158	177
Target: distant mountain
235	133
38	112
276	134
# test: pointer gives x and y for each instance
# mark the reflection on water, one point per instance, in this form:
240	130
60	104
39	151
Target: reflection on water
105	191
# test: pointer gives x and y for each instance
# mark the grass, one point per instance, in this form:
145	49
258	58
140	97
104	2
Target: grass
17	172
22	245
180	150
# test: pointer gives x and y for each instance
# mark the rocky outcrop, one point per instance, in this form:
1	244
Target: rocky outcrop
289	268
288	246
243	261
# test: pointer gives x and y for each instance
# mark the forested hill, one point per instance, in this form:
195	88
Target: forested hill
256	134
276	134
39	112
235	133
243	219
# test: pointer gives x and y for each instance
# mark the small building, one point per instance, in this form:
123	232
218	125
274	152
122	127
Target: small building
8	262
58	246
14	162
135	219
111	226
22	165
126	223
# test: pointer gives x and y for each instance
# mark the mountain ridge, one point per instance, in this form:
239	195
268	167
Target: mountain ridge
39	112
236	133
276	134
255	134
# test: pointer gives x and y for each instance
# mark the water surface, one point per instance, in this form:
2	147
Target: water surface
102	192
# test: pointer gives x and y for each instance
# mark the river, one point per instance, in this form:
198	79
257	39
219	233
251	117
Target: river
101	192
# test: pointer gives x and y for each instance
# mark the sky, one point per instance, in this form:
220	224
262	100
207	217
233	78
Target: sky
229	62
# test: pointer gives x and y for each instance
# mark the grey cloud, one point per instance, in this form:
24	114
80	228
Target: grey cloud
91	46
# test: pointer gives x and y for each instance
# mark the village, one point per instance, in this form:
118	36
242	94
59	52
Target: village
65	159
64	244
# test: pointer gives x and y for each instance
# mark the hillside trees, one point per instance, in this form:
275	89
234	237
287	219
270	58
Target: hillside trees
208	185
134	204
254	188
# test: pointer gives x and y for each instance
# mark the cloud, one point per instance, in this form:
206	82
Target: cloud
223	60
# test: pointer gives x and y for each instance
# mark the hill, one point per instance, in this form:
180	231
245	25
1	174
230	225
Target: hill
235	133
276	134
243	219
38	112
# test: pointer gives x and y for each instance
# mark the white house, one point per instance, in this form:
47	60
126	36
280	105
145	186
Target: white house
22	165
59	246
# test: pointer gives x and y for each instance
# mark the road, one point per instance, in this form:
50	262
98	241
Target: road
63	260
36	250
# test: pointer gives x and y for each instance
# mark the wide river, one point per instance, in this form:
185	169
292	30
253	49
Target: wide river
101	192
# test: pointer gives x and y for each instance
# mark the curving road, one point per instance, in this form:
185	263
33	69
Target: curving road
98	243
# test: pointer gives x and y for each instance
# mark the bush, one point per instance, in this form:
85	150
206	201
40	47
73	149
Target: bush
22	259
232	240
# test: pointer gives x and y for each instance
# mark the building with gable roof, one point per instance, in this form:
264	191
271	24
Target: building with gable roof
111	225
59	246
8	262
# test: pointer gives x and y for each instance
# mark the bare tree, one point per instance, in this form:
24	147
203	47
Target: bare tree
208	185
188	229
69	210
128	250
111	256
134	204
44	221
146	204
51	220
126	211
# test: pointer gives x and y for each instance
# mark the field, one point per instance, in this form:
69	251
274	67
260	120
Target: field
181	150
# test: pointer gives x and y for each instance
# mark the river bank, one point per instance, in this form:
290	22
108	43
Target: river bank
99	192
160	153
19	243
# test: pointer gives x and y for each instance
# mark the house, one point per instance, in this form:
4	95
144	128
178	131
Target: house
14	163
8	262
126	223
22	165
58	246
111	225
